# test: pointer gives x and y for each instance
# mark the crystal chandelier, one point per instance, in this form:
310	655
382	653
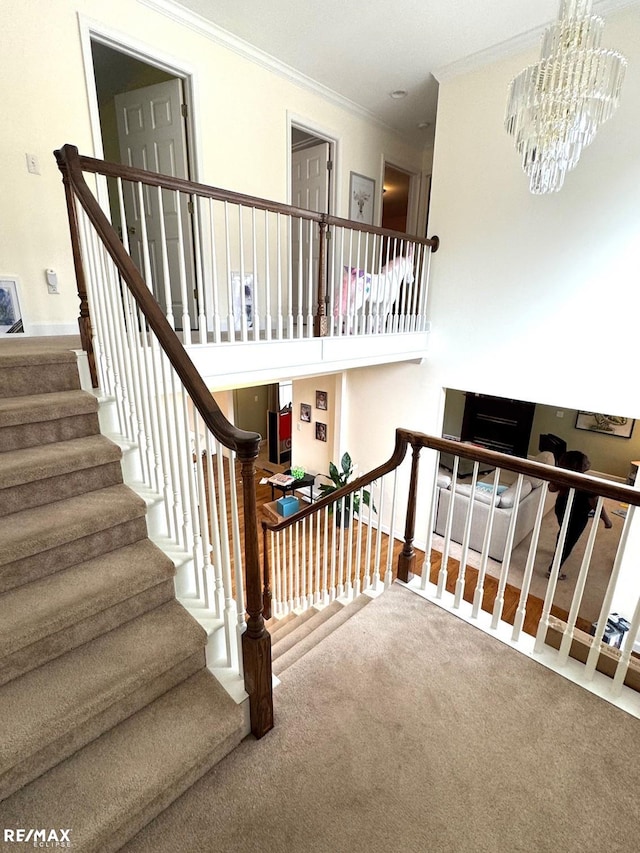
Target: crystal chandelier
555	106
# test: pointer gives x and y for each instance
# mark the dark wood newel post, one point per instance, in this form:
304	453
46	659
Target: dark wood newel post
321	321
84	320
407	558
256	640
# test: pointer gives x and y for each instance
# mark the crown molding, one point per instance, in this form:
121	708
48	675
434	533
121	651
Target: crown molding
517	44
222	37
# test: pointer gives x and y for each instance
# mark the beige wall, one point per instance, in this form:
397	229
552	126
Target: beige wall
241	115
314	455
534	297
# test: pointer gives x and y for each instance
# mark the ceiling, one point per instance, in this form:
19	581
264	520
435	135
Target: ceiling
363	50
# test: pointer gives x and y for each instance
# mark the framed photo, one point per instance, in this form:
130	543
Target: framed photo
10	316
321	431
322	400
305	412
361	198
607	424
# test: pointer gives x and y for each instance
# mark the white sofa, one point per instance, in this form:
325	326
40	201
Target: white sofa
484	496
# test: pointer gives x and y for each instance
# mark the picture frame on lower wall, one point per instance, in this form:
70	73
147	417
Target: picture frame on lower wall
321	431
606	424
10	314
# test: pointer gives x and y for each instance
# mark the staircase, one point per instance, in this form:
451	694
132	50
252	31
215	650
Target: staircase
294	635
108	712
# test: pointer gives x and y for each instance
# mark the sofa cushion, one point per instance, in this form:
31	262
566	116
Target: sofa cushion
546	458
507	498
444	479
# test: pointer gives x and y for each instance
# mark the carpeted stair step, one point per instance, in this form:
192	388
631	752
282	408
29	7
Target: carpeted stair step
275	625
34	476
289	624
48	539
32	367
313	631
146	762
53	711
46	418
44	619
304	624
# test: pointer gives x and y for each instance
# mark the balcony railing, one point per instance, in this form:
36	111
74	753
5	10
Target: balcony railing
312	558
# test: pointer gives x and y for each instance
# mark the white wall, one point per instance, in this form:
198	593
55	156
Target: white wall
242	110
534	297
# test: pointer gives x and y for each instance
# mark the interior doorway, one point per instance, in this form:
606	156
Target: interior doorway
395	198
311	189
143	110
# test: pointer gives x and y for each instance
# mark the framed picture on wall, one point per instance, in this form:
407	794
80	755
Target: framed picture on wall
322	400
607	424
361	198
10	316
305	412
321	431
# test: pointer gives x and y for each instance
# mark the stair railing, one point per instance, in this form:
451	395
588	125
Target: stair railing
183	440
232	268
303	554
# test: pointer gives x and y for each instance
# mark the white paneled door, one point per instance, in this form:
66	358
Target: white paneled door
310	191
152	135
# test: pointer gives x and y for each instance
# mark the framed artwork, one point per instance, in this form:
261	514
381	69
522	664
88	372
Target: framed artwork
321	431
607	424
361	198
10	316
322	400
305	412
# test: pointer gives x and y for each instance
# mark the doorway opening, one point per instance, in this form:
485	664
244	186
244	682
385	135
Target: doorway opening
396	196
143	120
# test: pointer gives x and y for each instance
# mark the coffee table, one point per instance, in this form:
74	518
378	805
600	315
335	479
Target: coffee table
307	480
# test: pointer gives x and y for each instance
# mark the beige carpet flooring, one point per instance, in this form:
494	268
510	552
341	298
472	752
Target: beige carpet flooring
409	730
599	572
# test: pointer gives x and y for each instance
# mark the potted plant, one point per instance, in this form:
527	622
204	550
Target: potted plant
340	478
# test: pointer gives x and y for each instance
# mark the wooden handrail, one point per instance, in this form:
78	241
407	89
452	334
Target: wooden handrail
475	453
130	173
256	642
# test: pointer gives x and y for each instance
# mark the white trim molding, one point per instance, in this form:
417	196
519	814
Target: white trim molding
243	48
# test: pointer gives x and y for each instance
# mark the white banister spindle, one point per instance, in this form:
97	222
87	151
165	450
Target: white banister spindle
345	518
378	557
431	519
219	593
462	572
351	568
231	320
308	522
164	262
280	329
594	651
215	279
208	581
498	604
321	550
388	574
479	590
295	545
243	300
334	546
444	564
256	299
290	262
237	549
223	519
521	610
567	639
543	624
198	237
268	320
312	279
182	273
279	573
299	262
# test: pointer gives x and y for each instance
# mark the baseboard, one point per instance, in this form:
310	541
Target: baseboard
38	330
